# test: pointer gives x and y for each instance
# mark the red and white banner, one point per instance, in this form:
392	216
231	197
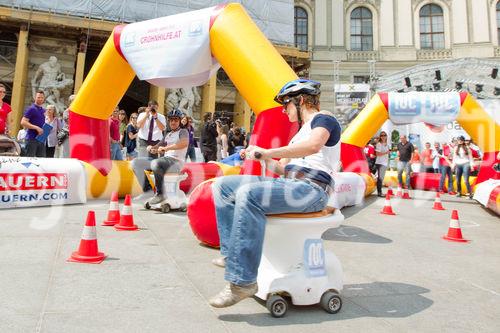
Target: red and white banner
172	51
28	182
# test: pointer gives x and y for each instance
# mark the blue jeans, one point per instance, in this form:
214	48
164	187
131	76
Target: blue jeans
241	205
404	166
445	171
463	169
116	152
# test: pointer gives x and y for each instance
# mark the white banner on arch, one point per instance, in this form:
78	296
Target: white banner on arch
172	51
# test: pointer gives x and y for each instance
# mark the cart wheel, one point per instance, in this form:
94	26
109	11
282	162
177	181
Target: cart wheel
331	302
165	208
183	207
147	205
277	305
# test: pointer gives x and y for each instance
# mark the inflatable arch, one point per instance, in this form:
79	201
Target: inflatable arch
250	60
430	107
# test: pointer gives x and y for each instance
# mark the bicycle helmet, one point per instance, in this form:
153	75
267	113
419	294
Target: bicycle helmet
175	113
297	87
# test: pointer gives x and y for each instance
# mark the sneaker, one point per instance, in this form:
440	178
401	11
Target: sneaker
145	195
380	195
458	195
219	262
156	199
471	196
232	294
452	193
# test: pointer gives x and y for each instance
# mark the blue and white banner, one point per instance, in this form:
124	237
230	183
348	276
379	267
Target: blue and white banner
28	182
172	51
436	108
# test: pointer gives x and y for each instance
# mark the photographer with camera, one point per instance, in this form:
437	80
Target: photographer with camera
150	125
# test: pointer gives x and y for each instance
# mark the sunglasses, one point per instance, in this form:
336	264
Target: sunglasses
133	117
383	134
286	101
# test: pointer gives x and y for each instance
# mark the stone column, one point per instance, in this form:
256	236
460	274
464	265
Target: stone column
20	81
80	67
242	112
208	96
158	94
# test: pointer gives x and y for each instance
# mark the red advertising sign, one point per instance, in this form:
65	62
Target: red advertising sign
33	181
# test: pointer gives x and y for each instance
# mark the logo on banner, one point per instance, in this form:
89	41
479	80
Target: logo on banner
33	181
129	40
195	29
407	105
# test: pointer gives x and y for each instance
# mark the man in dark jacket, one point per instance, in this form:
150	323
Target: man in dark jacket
209	138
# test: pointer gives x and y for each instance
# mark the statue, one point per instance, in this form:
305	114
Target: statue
173	99
185	99
52	81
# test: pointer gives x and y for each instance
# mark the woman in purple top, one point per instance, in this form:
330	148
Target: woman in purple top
187	123
33	120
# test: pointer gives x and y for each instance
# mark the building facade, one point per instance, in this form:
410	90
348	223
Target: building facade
356	41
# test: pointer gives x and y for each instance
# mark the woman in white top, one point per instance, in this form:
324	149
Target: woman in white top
57	125
464	163
222	141
382	160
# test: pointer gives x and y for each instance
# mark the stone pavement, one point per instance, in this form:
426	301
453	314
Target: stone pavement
399	274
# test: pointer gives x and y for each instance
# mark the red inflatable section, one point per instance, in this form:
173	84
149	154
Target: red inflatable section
486	170
353	159
492	202
86	134
201	214
197	174
425	181
272	129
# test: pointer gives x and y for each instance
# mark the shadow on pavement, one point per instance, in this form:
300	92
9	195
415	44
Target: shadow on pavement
376	299
354	234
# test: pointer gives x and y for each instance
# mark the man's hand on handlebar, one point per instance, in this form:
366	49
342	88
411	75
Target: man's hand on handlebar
256	153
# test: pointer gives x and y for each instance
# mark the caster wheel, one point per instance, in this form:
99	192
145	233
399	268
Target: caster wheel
165	208
277	305
183	208
331	302
147	205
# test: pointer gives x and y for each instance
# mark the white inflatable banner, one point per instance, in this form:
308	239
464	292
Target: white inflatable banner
435	108
28	182
172	51
483	191
349	190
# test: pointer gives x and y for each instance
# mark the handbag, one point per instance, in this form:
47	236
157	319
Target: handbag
62	135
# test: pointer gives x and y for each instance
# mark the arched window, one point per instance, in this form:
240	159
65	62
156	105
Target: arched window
498	22
361	29
431	27
300	34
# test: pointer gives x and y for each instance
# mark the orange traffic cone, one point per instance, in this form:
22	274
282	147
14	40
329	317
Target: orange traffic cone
126	219
437	203
454	231
389	191
406	194
113	212
387	206
399	193
88	251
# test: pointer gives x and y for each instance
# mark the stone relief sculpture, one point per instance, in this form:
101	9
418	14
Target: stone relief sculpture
186	99
50	78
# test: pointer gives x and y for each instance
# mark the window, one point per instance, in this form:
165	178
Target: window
361	29
498	22
361	79
300	35
431	27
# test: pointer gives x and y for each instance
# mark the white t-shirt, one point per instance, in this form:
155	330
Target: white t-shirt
143	132
382	159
